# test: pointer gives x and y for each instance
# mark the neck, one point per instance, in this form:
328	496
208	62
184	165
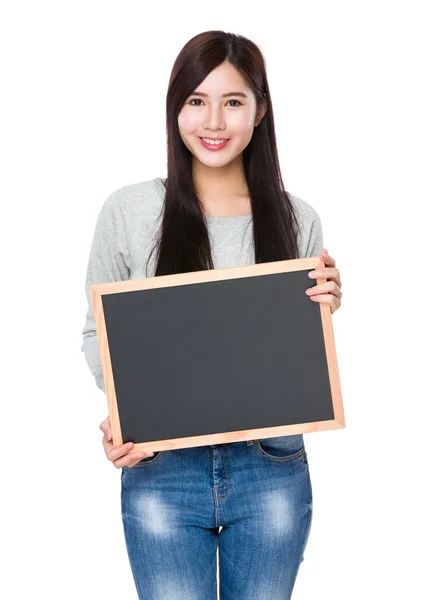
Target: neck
218	183
222	190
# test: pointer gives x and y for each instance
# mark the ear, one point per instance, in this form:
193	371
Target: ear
260	114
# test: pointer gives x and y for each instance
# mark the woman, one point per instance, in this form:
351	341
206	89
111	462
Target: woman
223	204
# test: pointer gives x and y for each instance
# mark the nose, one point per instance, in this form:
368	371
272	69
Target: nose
214	119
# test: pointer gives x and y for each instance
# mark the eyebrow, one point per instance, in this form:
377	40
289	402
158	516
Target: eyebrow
223	96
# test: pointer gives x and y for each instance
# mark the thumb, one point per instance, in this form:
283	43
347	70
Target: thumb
105	427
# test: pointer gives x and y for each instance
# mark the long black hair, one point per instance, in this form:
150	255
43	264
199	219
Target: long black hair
184	241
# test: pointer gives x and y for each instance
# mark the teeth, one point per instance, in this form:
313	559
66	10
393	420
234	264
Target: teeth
213	142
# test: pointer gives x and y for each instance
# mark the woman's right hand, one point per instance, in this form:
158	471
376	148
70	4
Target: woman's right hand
122	456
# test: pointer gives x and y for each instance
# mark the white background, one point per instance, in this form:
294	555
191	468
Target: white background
83	113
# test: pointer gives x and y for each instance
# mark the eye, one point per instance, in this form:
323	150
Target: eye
195	99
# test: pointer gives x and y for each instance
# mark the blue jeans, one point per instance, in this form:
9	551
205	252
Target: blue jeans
250	500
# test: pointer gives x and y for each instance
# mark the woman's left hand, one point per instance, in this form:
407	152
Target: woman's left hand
330	291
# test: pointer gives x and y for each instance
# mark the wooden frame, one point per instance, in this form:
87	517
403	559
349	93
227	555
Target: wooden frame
99	290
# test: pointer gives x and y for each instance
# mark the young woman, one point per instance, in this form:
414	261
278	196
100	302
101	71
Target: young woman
223	204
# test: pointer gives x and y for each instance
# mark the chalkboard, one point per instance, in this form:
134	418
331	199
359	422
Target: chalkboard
217	356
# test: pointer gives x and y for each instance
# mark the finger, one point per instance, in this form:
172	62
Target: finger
326	258
329	287
328	299
129	460
107	445
132	459
326	273
136	458
115	453
105	427
330	261
107	435
104	423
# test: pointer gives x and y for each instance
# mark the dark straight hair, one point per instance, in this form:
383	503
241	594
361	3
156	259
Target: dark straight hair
184	240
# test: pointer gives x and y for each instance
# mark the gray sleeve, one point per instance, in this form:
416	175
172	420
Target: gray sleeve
311	235
315	236
108	262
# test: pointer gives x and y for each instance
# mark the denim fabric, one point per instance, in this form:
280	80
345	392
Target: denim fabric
251	501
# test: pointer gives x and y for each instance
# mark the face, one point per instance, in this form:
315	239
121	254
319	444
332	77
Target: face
214	111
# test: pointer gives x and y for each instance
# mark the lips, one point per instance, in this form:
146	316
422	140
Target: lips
213	146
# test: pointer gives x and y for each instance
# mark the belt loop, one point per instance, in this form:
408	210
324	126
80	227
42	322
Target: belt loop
250	442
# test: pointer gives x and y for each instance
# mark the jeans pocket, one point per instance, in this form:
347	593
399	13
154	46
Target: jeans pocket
280	449
148	460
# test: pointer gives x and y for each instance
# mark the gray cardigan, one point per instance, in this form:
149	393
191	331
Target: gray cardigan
125	233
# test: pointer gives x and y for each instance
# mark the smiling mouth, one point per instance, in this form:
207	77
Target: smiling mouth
213	146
